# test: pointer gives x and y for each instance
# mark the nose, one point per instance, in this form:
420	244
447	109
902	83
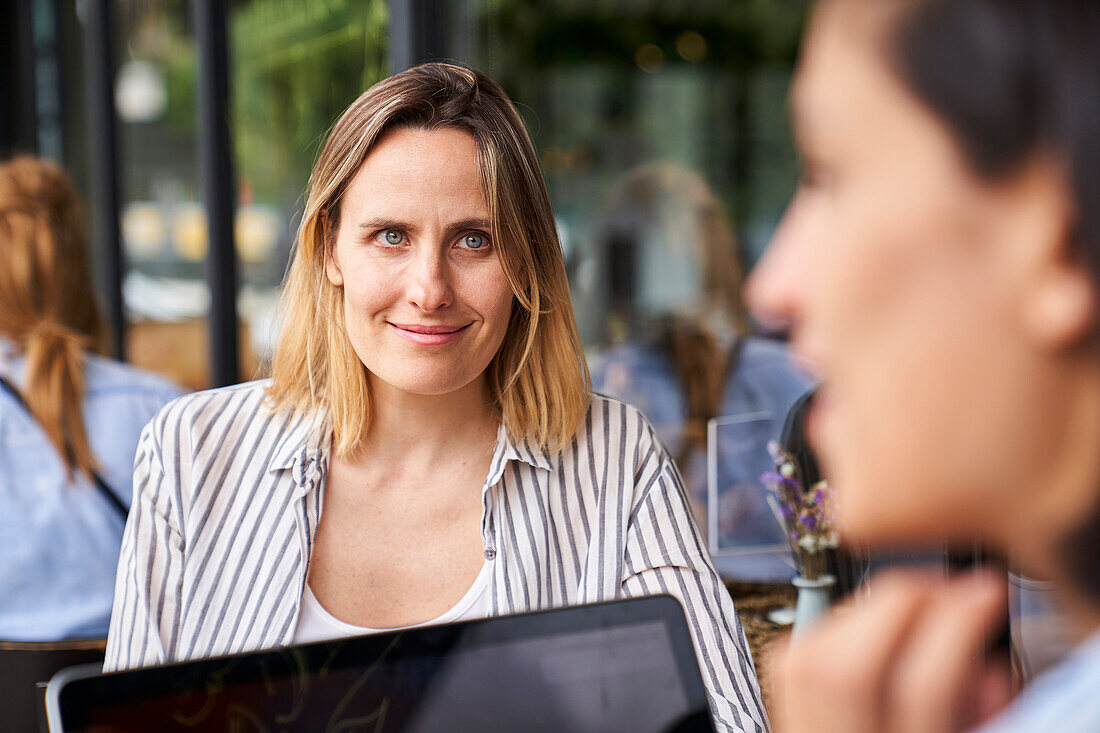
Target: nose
776	288
429	283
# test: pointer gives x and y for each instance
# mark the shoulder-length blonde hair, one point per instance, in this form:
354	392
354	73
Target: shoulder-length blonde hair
47	306
538	379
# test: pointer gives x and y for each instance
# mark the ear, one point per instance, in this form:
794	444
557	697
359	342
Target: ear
328	241
1059	309
1058	304
332	268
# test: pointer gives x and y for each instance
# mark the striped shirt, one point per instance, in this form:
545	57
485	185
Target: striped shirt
228	496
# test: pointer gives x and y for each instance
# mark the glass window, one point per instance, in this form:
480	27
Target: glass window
662	132
294	68
162	223
664	141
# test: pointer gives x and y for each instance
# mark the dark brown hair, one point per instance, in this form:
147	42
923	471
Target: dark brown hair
1012	79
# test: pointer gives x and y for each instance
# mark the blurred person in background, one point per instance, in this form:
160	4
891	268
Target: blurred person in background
69	419
682	345
940	265
428	449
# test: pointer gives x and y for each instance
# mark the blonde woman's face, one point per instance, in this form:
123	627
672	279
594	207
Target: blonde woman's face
426	301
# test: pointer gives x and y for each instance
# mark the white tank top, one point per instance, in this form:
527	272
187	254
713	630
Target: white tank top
317	624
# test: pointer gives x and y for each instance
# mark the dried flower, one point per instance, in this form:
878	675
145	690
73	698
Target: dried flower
805	513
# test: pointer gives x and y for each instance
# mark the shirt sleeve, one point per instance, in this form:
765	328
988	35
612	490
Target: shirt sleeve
150	569
665	554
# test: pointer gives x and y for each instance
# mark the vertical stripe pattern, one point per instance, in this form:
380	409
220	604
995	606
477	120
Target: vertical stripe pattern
228	496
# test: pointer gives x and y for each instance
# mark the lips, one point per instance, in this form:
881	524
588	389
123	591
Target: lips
428	335
417	328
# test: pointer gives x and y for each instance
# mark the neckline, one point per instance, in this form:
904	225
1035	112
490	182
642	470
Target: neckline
456	611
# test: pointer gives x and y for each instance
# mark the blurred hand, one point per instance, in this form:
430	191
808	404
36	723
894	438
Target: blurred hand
907	658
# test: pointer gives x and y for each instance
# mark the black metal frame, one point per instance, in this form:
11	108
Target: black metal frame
215	166
18	118
219	187
417	32
99	70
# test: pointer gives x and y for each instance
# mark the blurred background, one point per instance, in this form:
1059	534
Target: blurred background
604	85
191	126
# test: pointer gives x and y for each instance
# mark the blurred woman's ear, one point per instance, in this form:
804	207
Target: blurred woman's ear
1060	309
1058	297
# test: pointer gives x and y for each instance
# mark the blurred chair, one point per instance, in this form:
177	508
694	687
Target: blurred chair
26	667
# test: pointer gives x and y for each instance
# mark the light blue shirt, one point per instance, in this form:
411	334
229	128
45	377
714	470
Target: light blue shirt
60	537
1064	699
766	380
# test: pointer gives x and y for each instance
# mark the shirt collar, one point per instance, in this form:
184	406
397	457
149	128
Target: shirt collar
307	436
509	450
310	433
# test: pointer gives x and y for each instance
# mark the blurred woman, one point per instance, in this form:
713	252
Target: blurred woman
69	419
427	449
941	266
686	352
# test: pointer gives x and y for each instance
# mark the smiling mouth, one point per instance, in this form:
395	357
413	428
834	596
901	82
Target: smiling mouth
428	330
424	335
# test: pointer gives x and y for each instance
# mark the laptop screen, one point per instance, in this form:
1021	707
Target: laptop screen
626	665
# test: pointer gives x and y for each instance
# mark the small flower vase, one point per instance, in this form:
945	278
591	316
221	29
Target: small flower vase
813	600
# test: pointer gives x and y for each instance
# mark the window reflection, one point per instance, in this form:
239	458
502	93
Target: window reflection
663	135
661	128
679	346
295	66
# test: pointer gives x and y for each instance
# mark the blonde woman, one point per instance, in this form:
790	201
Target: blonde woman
69	419
427	449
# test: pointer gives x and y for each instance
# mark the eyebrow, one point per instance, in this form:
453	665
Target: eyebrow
469	224
452	228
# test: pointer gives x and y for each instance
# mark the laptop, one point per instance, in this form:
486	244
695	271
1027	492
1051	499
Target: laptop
621	665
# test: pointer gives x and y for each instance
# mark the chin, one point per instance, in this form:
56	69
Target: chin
880	521
427	388
428	385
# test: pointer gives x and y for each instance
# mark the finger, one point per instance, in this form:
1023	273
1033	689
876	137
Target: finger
833	678
772	669
938	669
993	693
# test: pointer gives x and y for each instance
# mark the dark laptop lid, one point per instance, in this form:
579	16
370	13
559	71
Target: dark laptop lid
623	665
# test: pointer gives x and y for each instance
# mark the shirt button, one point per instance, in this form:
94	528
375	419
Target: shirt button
490	553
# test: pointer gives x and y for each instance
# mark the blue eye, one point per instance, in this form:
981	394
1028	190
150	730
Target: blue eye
390	236
474	241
